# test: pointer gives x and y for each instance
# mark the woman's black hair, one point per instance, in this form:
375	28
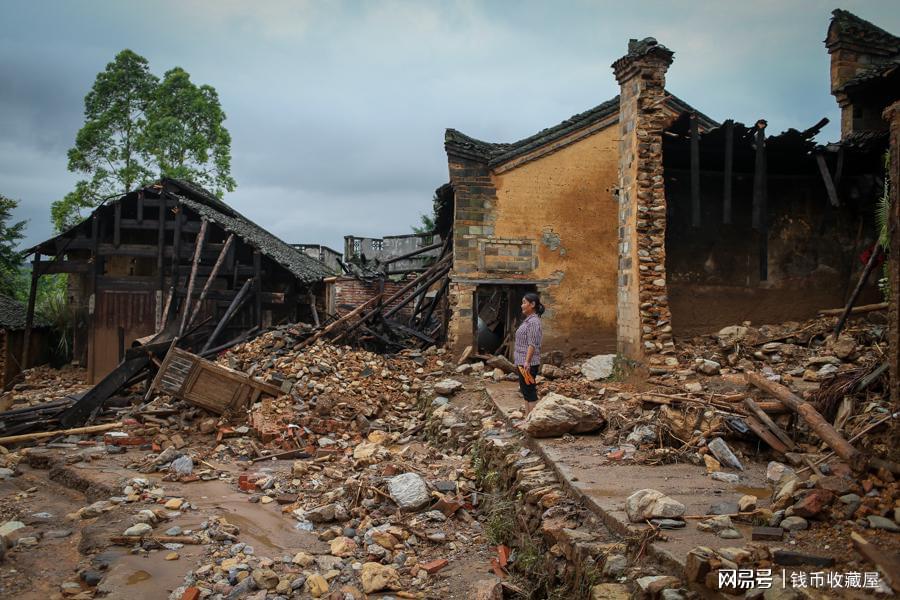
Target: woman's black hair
533	298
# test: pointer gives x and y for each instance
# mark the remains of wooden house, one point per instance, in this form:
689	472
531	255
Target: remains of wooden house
169	252
12	338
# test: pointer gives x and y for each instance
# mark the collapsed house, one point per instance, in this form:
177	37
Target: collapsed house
396	254
643	219
330	257
12	338
144	259
540	215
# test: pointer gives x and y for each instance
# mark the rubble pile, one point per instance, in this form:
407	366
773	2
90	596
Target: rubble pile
42	384
392	511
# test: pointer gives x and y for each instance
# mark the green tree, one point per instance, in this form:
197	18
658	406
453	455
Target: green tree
185	135
426	227
107	148
138	128
10	259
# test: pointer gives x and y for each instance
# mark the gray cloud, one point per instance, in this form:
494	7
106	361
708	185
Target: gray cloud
337	110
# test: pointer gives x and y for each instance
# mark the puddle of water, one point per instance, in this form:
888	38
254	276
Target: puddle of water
252	529
759	492
137	577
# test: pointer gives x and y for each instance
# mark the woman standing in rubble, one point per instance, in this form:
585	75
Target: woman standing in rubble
528	348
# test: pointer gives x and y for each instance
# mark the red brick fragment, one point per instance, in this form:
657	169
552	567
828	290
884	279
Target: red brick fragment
192	593
434	566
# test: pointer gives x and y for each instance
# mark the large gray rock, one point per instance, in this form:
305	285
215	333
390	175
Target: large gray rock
447	387
555	415
732	334
409	491
138	530
598	367
652	504
724	454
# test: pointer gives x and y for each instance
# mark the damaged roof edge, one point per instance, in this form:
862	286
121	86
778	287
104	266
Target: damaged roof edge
460	144
303	267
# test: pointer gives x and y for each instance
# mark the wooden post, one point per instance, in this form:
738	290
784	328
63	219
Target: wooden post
826	179
160	266
422	289
95	253
176	243
198	248
760	215
331	326
873	259
29	316
212	276
312	307
257	275
229	313
437	298
816	422
95	295
767	420
695	172
140	206
839	169
117	223
729	168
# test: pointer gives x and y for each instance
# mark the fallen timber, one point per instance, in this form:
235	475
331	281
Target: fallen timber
820	426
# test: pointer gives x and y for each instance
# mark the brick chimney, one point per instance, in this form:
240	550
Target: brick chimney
642	312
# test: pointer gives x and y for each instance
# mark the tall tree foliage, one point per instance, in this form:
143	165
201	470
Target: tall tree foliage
10	259
138	128
185	135
107	148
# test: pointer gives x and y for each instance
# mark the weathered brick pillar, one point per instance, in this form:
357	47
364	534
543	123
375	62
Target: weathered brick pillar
892	116
642	311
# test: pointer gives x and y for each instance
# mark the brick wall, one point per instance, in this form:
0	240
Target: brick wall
352	292
642	312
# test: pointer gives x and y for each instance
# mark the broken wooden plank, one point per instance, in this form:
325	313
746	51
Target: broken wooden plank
767	533
93	400
870	265
298	453
811	416
334	324
30	437
695	172
826	179
760	199
768	422
130	540
765	435
212	276
257	275
728	175
229	313
830	312
789	558
186	305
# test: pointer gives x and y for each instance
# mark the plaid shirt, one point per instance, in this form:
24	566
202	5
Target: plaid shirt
529	333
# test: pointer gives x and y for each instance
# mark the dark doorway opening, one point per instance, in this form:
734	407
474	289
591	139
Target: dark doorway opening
497	312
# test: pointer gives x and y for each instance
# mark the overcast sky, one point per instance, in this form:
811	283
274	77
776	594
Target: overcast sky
337	110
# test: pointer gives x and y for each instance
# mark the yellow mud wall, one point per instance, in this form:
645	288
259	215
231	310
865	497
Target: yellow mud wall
565	202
